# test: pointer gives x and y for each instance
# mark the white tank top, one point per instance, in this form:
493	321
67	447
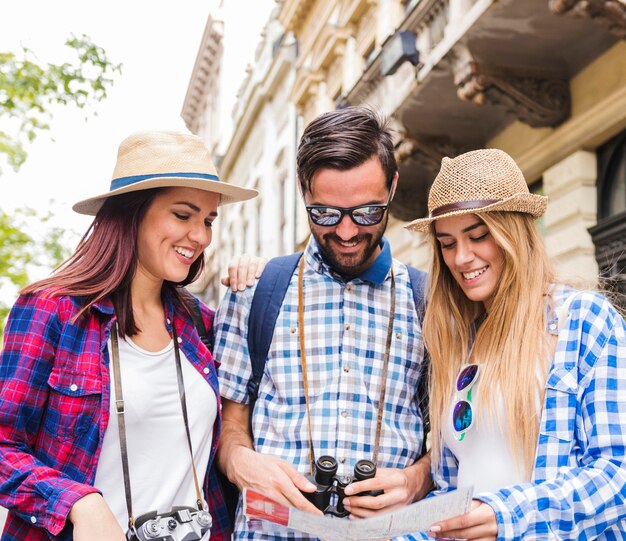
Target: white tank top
485	457
158	452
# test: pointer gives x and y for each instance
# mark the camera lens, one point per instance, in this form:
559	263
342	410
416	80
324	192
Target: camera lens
364	469
325	469
204	519
151	529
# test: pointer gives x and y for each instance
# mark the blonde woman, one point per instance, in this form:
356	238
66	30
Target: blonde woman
528	388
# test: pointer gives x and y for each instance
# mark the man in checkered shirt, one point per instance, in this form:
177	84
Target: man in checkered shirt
354	292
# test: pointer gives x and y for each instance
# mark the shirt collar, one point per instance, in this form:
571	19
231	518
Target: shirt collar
104	305
376	273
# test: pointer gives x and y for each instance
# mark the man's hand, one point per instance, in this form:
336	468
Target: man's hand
478	525
94	521
272	477
401	487
243	270
266	474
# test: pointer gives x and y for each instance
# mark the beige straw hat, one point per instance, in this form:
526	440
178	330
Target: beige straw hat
164	159
479	181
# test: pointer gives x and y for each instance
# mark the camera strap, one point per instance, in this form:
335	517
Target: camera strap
119	408
383	380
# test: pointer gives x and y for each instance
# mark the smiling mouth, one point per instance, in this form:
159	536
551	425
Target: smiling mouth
474	274
182	251
347	244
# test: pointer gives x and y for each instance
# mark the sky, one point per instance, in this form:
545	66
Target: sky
157	42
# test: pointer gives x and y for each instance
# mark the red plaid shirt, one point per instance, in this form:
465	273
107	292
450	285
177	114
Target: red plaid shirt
54	410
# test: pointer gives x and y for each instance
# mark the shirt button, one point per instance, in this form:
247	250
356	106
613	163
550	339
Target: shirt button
179	340
168	321
346	369
347	326
342	459
398	335
348	287
33	520
344	413
292	330
206	369
552	326
73	387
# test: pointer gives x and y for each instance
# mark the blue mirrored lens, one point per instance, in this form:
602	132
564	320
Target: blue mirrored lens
325	216
462	416
367	215
466	377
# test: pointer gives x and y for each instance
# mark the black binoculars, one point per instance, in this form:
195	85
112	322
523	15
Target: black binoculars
327	483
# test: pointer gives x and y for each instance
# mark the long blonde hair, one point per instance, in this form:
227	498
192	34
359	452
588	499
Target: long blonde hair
511	344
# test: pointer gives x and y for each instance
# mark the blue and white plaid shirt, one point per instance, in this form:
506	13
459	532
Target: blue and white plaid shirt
578	487
346	330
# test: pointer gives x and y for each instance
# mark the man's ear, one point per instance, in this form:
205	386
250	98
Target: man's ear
394	184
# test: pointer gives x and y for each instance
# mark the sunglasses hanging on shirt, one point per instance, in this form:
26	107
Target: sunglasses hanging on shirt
462	413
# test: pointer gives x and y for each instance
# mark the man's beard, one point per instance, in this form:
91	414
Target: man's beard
352	264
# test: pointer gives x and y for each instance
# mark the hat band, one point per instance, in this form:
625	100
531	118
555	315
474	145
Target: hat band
463	205
122	182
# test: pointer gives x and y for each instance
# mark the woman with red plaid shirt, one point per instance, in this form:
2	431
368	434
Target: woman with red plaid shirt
61	474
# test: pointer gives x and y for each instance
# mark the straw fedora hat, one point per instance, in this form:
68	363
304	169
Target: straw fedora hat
164	159
479	181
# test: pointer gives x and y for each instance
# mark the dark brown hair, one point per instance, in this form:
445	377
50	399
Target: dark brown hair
342	140
105	260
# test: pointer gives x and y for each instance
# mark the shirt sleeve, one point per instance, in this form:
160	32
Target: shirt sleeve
445	473
39	494
231	344
588	494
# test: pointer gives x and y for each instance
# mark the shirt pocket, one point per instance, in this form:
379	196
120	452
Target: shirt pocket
74	404
561	401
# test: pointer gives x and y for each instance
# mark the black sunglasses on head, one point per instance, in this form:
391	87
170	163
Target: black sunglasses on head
364	215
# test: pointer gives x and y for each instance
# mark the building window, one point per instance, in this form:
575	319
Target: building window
609	235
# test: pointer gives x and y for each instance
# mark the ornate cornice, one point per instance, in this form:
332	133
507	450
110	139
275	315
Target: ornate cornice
536	101
425	155
204	74
426	152
610	13
609	237
293	13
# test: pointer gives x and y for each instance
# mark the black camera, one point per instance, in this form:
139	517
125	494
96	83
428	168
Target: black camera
179	524
327	483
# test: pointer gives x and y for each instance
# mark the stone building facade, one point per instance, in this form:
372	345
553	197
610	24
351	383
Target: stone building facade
544	80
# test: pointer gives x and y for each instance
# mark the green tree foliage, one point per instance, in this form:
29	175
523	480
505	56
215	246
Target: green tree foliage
29	93
29	90
21	253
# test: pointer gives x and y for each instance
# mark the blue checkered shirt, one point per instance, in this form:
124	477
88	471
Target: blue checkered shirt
578	487
346	330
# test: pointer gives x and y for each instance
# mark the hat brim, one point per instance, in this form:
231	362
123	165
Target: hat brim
229	192
528	203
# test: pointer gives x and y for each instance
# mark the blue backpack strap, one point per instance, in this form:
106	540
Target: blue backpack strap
418	283
266	303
